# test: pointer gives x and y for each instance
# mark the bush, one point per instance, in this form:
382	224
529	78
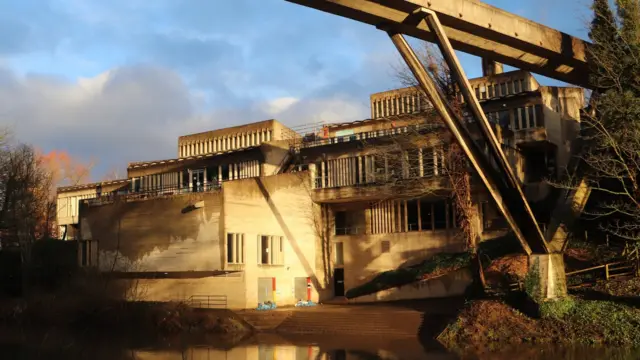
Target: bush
556	309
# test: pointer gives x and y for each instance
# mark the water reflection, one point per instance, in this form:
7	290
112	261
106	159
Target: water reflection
53	346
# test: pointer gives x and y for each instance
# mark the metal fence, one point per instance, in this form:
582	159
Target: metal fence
208	301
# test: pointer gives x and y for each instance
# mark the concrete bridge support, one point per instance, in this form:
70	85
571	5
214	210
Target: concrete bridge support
550	274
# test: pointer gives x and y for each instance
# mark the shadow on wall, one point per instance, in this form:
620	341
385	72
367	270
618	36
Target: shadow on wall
165	234
295	245
366	258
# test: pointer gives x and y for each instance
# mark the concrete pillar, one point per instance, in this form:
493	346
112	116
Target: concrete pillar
323	172
490	67
190	180
313	174
552	280
219	174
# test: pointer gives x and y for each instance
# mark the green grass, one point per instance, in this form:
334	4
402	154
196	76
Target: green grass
407	275
602	322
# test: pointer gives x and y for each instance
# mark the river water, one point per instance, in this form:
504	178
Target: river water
53	346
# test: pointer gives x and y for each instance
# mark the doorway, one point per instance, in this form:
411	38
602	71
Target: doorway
338	282
197	180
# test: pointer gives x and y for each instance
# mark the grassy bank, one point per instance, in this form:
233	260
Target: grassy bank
491	324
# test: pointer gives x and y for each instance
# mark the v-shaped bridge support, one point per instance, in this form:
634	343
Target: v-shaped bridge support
499	179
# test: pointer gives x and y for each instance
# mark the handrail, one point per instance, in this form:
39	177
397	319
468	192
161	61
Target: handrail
207	301
127	194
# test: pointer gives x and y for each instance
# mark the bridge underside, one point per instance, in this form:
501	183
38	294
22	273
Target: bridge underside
479	29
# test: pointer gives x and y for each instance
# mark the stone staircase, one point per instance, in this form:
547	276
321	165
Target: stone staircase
334	319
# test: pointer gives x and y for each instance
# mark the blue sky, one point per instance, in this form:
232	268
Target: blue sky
118	81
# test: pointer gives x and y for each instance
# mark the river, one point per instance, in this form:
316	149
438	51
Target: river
53	345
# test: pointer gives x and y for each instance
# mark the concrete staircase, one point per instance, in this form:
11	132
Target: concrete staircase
353	320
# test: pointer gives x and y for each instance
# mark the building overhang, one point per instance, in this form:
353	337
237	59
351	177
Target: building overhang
415	188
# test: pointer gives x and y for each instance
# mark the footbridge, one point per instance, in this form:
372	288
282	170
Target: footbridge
480	29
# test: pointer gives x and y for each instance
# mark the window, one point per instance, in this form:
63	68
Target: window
504	118
483	92
439	215
412	215
539	115
385	246
477	93
519	115
451	214
414	163
491	91
516	87
339	254
503	89
522	85
235	248
270	250
427	162
346	222
425	216
532	119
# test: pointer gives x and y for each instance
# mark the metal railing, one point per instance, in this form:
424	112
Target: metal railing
128	194
370	135
349	231
208	301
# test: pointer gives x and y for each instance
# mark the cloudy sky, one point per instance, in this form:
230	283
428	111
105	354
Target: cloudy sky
120	80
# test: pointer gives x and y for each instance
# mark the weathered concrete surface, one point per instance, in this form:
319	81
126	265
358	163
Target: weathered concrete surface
157	235
479	29
278	206
452	284
552	279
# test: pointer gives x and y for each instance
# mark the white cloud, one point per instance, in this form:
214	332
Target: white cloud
137	113
277	106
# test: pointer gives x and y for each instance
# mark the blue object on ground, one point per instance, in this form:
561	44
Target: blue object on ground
303	303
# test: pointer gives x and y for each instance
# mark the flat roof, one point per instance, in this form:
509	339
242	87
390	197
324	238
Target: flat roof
91	185
232	129
140	164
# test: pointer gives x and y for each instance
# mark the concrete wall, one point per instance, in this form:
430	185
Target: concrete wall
231	285
562	119
274	206
157	234
364	259
452	284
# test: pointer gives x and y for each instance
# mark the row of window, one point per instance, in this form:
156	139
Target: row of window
196	178
397	216
270	249
225	143
404	104
491	91
394	166
527	117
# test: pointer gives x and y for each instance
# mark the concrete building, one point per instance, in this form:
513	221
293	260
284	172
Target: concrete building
259	212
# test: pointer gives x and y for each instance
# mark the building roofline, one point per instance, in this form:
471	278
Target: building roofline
91	185
506	73
141	164
228	128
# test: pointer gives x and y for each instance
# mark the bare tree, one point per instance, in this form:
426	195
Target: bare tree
27	209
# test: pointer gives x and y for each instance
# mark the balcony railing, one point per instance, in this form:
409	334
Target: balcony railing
349	231
313	142
128	194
